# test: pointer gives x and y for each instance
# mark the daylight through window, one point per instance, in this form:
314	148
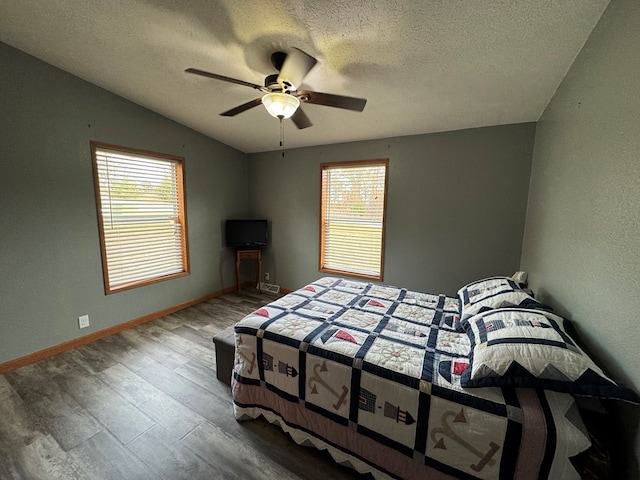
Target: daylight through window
352	218
141	213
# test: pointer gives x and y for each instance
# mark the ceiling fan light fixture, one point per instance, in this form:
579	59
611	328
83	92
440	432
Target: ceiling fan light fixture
280	105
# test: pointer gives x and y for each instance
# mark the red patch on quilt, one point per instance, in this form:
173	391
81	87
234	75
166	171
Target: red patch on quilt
263	312
375	303
459	367
342	335
310	288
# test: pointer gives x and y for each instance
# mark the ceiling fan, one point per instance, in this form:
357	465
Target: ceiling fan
282	97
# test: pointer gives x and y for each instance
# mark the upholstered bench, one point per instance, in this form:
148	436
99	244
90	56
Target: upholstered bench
225	350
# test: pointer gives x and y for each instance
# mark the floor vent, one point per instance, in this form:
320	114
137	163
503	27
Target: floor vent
268	287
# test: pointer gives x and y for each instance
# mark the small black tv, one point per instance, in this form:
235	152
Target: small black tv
247	233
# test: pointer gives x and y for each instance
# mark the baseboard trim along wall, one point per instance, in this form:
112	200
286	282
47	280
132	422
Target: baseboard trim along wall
92	337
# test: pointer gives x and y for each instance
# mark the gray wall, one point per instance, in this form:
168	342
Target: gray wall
582	237
455	207
50	266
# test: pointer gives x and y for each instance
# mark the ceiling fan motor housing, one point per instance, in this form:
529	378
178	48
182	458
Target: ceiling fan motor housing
271	82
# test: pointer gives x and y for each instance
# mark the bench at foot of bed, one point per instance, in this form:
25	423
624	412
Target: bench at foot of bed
225	350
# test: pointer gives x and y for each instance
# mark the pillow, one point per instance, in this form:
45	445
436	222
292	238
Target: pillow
490	293
518	347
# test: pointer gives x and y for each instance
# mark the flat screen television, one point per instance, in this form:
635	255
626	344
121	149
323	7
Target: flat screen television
247	233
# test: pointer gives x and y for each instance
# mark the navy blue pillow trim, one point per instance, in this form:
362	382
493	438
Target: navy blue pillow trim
533	304
525	341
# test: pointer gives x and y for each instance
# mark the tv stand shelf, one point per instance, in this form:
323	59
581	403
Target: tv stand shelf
250	254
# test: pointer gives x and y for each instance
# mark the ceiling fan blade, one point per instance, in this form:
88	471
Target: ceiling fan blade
295	68
300	119
202	73
330	100
242	108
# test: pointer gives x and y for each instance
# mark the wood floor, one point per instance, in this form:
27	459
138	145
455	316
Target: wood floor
145	404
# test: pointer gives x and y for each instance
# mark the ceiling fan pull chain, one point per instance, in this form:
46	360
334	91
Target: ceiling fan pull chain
282	136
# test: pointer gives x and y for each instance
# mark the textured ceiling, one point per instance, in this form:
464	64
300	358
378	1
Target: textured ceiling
424	66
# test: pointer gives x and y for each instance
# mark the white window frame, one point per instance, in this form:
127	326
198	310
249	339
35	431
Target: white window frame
352	236
142	222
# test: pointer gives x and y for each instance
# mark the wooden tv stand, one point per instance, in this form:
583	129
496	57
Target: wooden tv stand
256	256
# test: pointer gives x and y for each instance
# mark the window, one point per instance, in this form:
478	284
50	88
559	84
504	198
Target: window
352	216
141	216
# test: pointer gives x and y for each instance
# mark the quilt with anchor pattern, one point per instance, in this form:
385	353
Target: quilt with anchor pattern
371	373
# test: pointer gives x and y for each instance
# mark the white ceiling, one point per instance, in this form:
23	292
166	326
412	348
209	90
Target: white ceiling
424	66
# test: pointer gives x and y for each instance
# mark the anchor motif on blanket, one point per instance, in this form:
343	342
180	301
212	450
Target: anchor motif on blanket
251	361
448	431
317	379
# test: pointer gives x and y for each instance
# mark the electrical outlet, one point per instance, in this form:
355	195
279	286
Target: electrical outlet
266	276
83	321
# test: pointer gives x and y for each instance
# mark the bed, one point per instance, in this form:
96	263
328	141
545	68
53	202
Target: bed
411	385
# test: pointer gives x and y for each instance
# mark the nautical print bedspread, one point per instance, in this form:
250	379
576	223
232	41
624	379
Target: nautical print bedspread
371	373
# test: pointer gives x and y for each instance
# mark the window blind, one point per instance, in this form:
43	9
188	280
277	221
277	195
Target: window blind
141	210
352	218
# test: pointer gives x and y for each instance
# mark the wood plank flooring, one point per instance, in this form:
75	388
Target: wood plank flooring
146	404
